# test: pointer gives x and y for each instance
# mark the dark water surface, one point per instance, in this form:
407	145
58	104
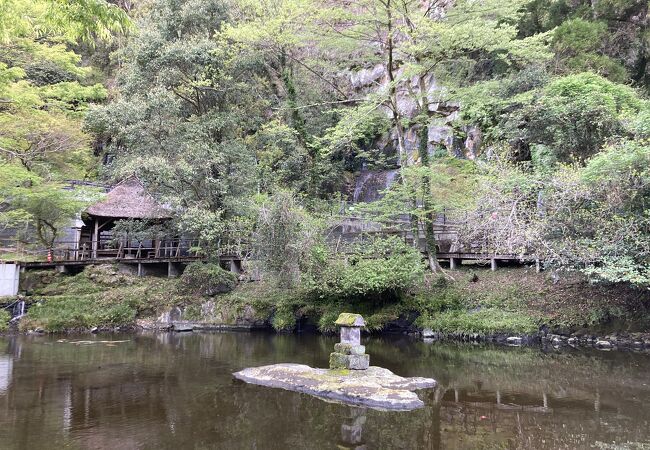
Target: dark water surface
176	391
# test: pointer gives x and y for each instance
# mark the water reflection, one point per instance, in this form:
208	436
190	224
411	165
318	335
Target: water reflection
176	391
352	429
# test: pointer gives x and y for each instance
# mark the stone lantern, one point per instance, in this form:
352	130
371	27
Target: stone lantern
349	353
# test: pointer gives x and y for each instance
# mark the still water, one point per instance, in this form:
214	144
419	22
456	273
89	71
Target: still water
161	391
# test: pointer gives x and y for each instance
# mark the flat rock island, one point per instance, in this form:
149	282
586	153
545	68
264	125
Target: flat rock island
349	379
374	387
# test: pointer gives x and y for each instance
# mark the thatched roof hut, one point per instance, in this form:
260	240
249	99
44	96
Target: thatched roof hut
129	200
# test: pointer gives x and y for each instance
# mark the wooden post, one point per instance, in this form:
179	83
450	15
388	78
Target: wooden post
173	270
77	240
96	239
493	264
454	263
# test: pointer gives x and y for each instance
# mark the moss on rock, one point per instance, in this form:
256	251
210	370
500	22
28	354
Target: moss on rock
350	320
207	279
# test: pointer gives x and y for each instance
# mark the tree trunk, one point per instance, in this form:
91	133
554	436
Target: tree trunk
429	216
392	88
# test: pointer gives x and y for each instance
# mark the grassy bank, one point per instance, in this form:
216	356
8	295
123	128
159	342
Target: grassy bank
521	301
97	297
508	301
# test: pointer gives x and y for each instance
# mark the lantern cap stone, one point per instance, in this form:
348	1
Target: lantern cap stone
350	320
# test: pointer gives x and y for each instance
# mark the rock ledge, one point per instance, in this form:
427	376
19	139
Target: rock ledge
374	387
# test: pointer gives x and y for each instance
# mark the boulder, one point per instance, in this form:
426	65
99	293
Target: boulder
375	387
603	344
182	326
514	340
428	333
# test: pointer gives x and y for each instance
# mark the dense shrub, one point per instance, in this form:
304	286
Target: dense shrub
577	114
285	236
207	279
284	318
382	267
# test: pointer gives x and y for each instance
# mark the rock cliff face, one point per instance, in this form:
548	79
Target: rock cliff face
463	143
370	183
441	136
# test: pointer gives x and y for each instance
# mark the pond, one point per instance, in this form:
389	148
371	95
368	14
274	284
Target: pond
169	390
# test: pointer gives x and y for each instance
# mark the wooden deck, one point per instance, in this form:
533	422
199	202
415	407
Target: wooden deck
484	257
107	260
342	238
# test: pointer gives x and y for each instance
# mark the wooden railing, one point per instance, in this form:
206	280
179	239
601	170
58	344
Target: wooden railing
110	249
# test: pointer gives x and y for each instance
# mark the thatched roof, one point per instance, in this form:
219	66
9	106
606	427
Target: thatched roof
129	200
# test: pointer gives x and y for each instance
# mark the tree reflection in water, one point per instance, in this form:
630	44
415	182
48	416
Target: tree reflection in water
176	391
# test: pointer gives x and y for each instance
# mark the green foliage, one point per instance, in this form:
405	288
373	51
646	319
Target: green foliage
45	207
43	96
577	36
577	114
207	279
327	319
485	322
99	296
5	316
254	116
379	268
282	160
590	218
618	98
66	313
284	239
72	20
284	318
183	121
617	180
351	140
578	44
440	299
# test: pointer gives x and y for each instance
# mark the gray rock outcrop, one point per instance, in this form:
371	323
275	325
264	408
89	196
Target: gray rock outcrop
374	387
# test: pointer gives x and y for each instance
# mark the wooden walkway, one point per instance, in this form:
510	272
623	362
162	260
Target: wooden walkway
158	256
341	237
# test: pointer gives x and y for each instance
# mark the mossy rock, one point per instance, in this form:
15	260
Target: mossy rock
350	320
208	279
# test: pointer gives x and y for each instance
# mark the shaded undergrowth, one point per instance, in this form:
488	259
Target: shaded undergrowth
516	301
